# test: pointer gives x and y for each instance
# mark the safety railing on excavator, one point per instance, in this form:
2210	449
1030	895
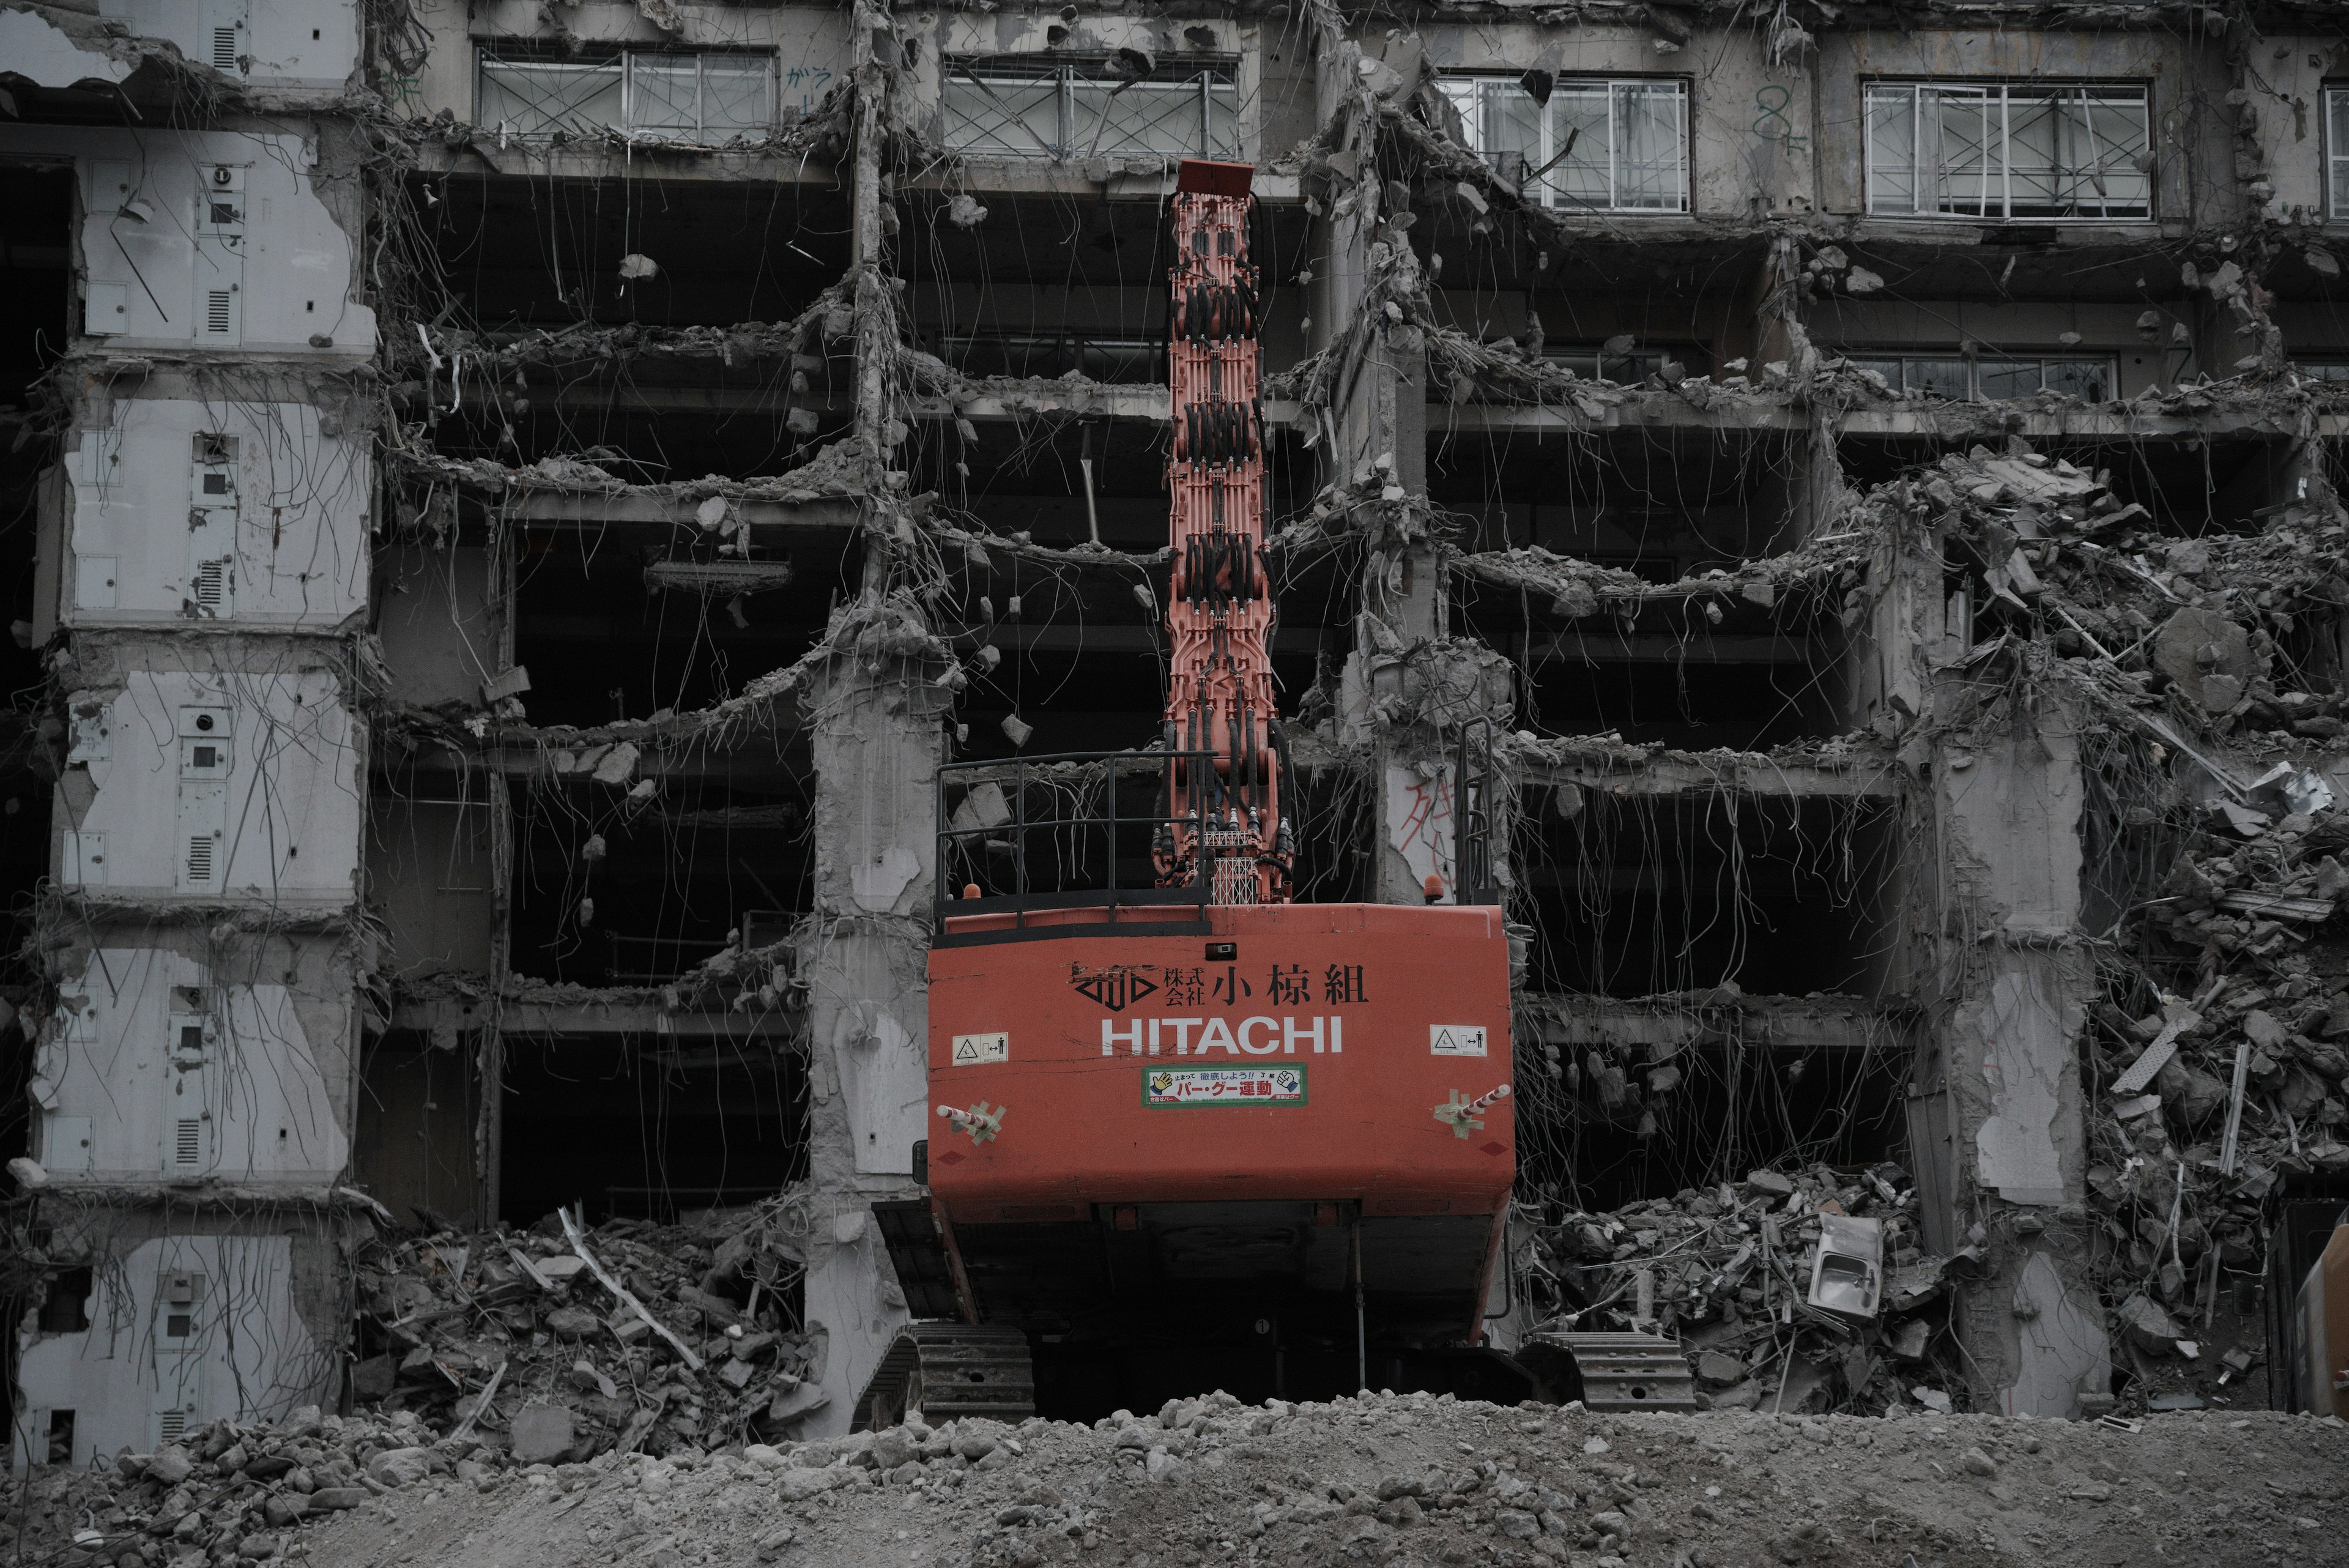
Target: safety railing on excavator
1038	837
1474	880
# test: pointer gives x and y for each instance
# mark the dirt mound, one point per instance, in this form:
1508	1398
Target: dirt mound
1410	1480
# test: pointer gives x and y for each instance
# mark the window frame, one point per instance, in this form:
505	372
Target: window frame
1466	92
1049	354
1637	362
2326	367
1073	82
621	61
1926	186
2336	151
1874	359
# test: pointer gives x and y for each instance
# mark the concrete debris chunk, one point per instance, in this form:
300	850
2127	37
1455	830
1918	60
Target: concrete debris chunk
619	765
2149	1327
541	1434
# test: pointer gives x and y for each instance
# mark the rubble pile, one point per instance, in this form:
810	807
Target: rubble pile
1735	1273
560	1343
231	1493
2195	627
2216	1060
1374	1479
2211	1097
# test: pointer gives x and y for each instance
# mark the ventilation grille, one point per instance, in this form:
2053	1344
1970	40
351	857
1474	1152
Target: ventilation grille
200	865
217	312
212	584
173	1425
225	48
188	1141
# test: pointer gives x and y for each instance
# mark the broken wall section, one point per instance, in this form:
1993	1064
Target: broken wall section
213	495
202	561
182	1315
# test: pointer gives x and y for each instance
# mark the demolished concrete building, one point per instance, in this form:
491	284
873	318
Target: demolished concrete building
526	498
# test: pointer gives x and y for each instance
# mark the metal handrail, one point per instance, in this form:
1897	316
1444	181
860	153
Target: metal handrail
1188	772
1474	881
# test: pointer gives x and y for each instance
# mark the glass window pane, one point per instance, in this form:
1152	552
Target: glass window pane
1509	133
663	91
533	97
1137	117
2010	378
2337	146
2089	379
1222	118
1940	378
1579	130
1961	128
1886	366
2074	153
738	96
1649	169
1120	360
1018	115
2036	184
1892	153
2114	134
1460	92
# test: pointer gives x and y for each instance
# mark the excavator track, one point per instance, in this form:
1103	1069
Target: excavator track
948	1371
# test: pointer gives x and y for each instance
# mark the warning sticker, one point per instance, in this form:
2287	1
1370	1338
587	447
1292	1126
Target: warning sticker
1455	1039
973	1050
1223	1086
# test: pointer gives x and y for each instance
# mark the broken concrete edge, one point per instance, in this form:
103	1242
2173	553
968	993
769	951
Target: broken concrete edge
58	910
199	1195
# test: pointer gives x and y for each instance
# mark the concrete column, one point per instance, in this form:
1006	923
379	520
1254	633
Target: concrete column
2019	987
877	738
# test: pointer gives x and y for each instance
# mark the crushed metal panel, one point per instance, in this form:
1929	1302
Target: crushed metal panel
1847	1272
1619	1371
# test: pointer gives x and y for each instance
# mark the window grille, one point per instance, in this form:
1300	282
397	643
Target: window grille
1017	109
709	97
1617	146
2005	151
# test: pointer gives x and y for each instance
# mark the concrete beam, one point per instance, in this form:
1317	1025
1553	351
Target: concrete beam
646	162
1711	1018
521	761
1134	639
1869	776
1641	410
616	1013
1082	180
1989	421
578	509
1941	421
1671	647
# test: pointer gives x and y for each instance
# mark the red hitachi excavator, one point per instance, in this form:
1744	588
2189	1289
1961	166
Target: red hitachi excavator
1188	1134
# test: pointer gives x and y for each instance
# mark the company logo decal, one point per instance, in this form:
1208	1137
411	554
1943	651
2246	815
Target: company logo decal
1114	987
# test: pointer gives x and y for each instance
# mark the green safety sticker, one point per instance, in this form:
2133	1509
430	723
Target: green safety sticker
1241	1086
